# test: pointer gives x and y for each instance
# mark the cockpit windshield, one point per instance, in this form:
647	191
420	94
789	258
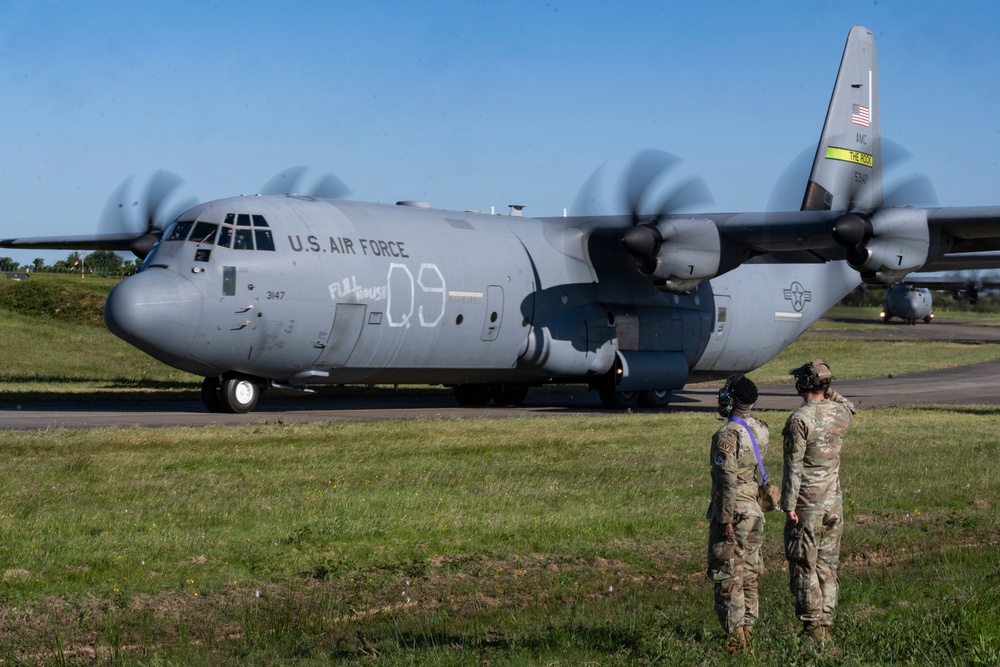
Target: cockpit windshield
239	231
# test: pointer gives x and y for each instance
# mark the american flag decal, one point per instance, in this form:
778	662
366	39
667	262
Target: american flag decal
860	115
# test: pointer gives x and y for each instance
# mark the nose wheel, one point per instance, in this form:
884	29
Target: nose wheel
234	394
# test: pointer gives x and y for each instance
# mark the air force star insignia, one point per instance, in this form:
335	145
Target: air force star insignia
720	458
798	295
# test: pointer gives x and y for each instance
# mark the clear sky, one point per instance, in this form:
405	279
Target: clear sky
468	105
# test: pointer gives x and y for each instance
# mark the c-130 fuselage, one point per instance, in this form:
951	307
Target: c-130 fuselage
256	291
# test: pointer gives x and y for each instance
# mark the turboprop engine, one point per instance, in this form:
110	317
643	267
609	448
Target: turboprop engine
677	254
885	245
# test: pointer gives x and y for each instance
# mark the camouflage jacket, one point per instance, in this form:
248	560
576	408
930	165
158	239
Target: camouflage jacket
813	436
733	464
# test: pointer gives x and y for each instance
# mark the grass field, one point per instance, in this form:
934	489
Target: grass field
576	540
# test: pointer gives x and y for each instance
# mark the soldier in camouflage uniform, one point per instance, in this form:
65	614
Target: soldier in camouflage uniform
811	496
736	531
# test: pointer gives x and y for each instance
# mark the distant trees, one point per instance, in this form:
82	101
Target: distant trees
103	262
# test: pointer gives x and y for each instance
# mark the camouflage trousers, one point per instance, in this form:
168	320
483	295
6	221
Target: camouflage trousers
733	567
812	547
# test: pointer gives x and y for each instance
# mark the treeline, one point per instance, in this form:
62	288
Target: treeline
98	262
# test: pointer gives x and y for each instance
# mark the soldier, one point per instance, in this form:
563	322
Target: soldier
811	496
736	531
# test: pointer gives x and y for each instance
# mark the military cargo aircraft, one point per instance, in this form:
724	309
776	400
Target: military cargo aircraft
908	303
911	300
299	288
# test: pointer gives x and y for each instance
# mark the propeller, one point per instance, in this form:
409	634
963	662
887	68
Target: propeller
145	206
853	230
648	200
301	181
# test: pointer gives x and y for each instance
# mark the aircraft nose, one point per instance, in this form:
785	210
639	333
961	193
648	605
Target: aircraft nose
157	311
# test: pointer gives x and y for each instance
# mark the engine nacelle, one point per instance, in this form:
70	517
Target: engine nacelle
898	242
689	253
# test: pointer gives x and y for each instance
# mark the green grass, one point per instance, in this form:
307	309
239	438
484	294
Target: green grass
879	358
569	541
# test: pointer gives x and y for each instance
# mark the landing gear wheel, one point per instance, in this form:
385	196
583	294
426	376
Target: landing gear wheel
509	395
612	398
655	398
927	319
472	394
238	394
210	395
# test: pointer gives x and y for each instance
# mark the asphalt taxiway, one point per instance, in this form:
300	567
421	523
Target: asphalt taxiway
972	384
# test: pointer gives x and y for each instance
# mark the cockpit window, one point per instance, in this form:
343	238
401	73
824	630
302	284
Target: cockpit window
180	230
243	239
240	231
204	232
264	240
225	237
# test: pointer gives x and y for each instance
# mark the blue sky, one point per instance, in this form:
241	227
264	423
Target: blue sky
468	105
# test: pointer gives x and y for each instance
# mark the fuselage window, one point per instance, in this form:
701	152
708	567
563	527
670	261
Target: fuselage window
230	219
225	237
204	232
243	239
243	220
180	230
264	240
259	221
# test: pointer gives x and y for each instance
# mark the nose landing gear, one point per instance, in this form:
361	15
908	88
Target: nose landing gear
234	394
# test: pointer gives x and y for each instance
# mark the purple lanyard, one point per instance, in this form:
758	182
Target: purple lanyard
756	451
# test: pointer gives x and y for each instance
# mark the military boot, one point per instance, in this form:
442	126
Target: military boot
815	633
737	641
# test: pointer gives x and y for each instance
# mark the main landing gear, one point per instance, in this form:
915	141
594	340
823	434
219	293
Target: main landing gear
653	398
612	398
507	395
235	394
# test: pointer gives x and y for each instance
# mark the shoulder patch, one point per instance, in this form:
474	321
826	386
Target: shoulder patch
727	441
720	458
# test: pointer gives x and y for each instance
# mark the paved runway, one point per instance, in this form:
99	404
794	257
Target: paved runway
961	385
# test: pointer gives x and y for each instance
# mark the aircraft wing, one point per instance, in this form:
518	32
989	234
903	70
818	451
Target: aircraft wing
966	237
973	228
81	242
953	282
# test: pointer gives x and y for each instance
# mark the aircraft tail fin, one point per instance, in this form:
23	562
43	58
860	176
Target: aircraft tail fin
847	171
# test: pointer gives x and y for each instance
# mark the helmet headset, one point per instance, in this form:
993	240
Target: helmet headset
739	389
813	376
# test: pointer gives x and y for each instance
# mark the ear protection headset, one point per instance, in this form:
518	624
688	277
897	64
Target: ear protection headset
726	396
811	376
804	379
